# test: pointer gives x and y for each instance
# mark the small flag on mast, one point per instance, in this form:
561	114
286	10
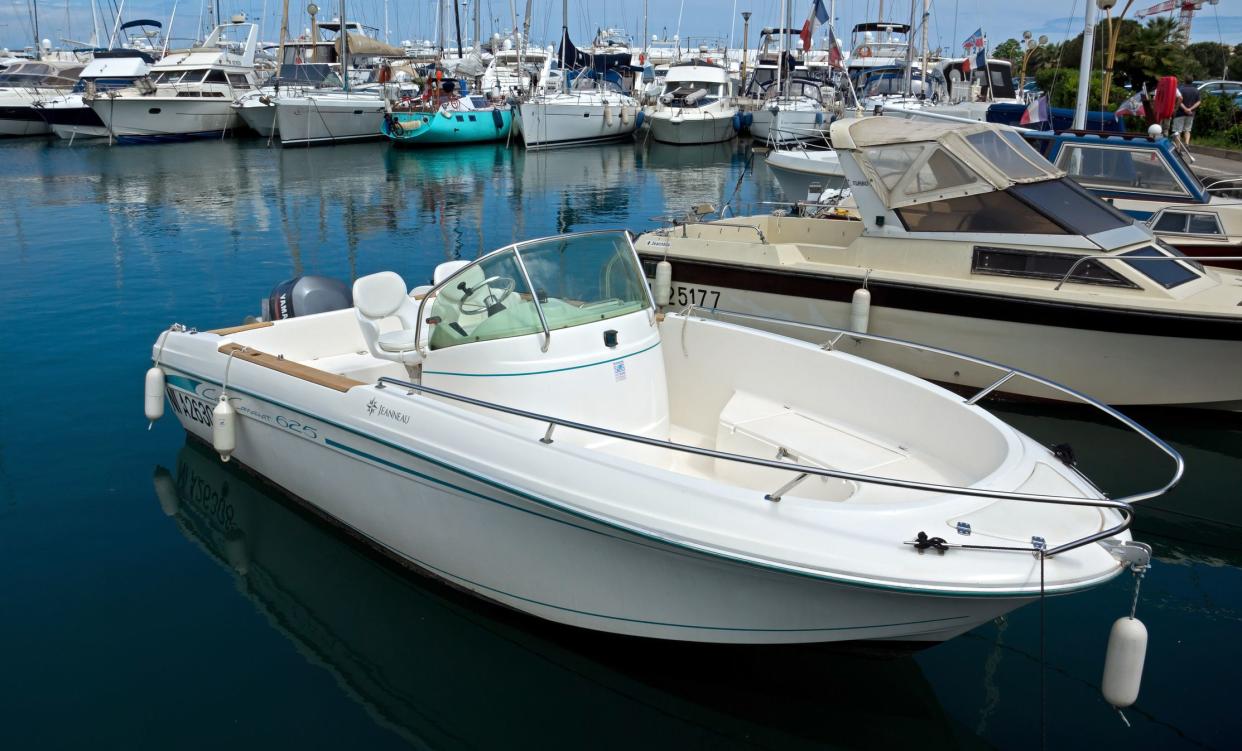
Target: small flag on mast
818	15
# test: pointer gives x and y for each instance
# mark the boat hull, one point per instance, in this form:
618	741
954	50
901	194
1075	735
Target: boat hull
303	121
21	120
152	119
447	127
557	125
796	179
503	540
692	128
261	118
1108	355
786	125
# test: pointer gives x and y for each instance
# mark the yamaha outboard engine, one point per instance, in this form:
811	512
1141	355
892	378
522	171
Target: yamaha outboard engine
305	295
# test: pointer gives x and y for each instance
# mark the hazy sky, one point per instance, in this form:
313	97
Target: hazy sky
951	20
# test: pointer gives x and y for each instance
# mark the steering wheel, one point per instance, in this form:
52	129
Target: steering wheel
507	285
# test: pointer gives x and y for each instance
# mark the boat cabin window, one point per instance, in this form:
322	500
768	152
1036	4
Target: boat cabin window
181	76
216	76
38	74
911	170
1010	155
1188	223
1068	204
238	81
577	279
1037	264
997	211
1140	170
1168	274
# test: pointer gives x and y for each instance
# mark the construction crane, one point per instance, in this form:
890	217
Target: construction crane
1186	12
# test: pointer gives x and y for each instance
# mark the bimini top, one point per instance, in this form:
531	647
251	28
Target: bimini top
909	162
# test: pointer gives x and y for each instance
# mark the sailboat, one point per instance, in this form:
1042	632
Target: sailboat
447	114
592	109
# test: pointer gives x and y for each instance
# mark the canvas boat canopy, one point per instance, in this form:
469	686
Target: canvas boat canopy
910	162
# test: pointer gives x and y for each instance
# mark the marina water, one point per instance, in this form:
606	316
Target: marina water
155	598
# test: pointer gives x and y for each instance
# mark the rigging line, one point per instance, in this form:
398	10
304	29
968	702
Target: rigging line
1056	72
1043	659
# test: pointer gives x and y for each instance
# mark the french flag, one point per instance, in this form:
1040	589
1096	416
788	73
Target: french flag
818	14
1035	112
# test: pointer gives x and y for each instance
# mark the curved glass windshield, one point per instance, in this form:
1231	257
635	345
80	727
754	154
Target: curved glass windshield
576	279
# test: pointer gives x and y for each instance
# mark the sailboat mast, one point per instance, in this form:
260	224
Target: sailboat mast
780	66
1084	69
457	27
645	37
908	78
477	30
923	44
34	21
526	23
344	34
96	37
284	32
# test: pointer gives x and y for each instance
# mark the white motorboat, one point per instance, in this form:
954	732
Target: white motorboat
965	238
69	116
305	67
25	83
530	429
798	170
330	116
790	114
517	71
784	103
593	110
696	106
190	92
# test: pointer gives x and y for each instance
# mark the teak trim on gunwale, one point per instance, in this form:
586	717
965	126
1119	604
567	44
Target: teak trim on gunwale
289	367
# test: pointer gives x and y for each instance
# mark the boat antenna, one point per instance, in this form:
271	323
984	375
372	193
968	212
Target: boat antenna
116	26
457	26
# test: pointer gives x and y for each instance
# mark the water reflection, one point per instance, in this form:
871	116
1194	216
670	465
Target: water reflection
445	670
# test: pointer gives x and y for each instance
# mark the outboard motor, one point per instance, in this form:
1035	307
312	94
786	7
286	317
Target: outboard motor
305	295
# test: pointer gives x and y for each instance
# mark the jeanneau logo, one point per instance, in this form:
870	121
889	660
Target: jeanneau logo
374	407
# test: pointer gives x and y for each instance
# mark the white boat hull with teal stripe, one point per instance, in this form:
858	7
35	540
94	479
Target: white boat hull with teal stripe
610	528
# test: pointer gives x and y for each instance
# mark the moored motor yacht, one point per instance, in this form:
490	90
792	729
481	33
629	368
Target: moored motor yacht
25	83
303	67
1147	178
190	92
69	116
530	428
696	105
965	238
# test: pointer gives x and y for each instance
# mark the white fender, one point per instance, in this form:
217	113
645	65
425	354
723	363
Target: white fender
1123	662
153	396
224	428
860	311
663	287
607	115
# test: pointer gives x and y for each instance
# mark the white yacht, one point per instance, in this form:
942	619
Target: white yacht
965	238
799	169
696	105
23	84
593	110
304	67
190	91
69	116
517	73
531	429
784	103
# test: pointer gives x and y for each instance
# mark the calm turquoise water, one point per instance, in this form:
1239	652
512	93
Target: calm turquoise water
152	598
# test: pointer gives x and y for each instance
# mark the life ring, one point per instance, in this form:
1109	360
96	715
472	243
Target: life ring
863	51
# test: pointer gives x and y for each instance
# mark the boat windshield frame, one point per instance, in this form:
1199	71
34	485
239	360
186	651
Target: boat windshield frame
566	240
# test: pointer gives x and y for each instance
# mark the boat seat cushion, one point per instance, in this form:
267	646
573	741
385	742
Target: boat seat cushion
379	295
401	340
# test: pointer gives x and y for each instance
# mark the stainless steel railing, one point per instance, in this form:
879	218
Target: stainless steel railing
1124	505
1140	259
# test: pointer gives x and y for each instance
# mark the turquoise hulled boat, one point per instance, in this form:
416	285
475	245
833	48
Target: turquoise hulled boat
449	123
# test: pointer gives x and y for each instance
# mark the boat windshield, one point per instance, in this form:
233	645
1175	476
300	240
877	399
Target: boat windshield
1108	167
576	279
38	74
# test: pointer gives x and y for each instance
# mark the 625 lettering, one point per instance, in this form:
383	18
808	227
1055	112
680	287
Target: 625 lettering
694	296
189	406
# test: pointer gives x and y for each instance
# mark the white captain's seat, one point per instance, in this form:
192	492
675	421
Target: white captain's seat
379	297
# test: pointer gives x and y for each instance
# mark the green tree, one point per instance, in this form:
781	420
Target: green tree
1206	60
1061	84
1011	50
